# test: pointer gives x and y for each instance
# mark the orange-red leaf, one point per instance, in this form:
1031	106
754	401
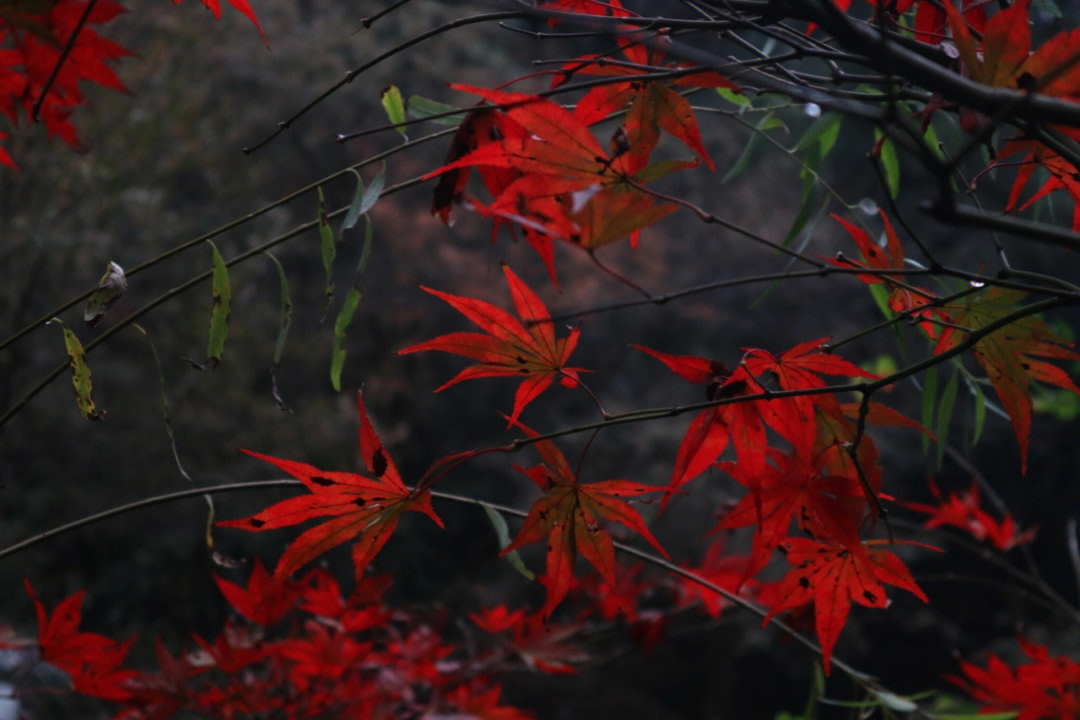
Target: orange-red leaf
92	661
568	519
361	507
832	577
509	349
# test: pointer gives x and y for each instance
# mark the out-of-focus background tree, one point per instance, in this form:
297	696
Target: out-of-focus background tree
164	165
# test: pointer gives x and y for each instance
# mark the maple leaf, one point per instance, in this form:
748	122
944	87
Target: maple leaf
902	297
361	507
508	348
729	572
1008	355
792	488
832	576
39	55
549	175
963	511
1047	687
242	5
800	368
92	661
264	600
568	519
653	104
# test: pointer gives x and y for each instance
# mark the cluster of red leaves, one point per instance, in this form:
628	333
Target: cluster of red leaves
996	50
963	511
1043	689
547	172
340	657
815	482
1008	355
32	42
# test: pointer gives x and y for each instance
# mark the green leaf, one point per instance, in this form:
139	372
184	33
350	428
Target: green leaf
499	523
733	97
364	200
980	411
329	249
944	416
286	311
421	107
881	299
365	252
80	374
344	317
109	289
929	395
219	313
745	157
823	132
394	105
354	207
890	164
371	196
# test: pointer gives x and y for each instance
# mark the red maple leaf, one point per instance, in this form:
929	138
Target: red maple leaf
902	296
653	104
92	661
264	600
361	507
241	5
549	175
963	511
508	348
568	519
1047	687
792	488
833	576
725	571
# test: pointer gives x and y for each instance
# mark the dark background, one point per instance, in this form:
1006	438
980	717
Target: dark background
163	165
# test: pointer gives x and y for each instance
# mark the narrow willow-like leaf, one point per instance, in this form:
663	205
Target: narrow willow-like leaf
421	107
944	418
328	247
344	317
394	105
80	374
745	157
890	163
929	398
286	311
219	313
354	207
109	289
364	200
374	190
980	411
365	252
498	522
823	133
283	331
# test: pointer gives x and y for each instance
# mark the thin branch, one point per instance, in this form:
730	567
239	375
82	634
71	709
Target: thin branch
201	240
352	74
